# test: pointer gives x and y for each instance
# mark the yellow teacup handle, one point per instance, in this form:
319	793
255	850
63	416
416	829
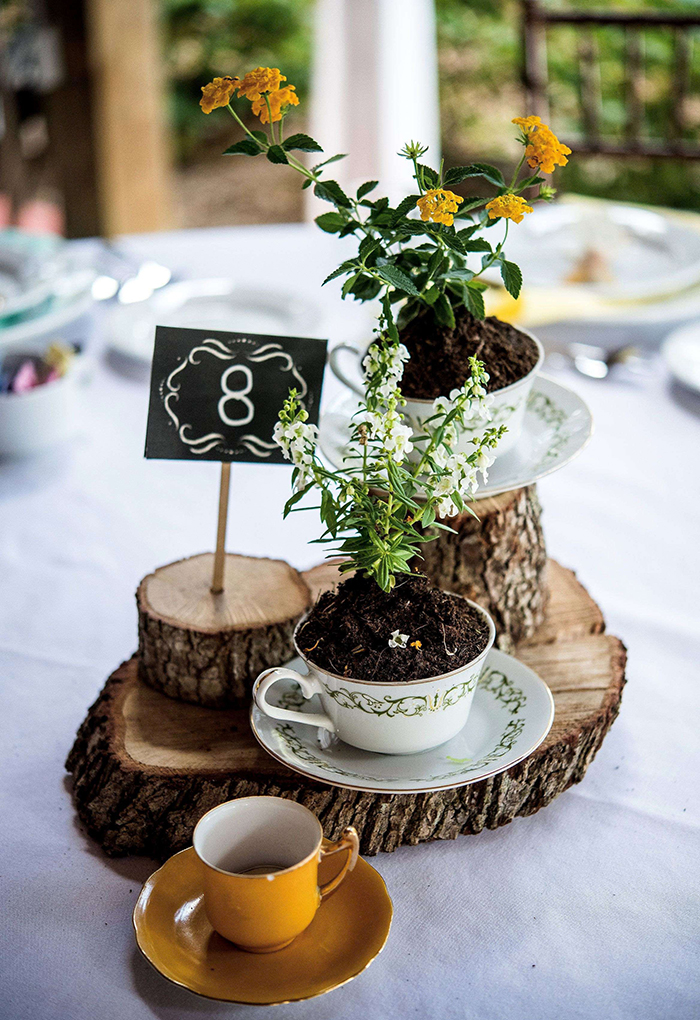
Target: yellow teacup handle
349	840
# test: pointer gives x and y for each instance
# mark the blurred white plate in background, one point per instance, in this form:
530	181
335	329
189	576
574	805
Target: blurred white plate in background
207	304
70	299
681	351
28	265
633	254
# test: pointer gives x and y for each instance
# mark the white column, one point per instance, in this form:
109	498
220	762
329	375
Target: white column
374	87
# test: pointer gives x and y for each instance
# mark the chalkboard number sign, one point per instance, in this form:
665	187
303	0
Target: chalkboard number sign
216	395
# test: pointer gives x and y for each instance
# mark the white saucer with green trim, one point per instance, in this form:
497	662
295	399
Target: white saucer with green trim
512	713
557	426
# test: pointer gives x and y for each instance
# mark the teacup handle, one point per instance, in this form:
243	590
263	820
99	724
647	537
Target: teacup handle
333	361
309	686
349	840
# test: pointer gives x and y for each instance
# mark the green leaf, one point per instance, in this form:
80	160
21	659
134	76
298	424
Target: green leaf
331	159
443	312
405	206
437	264
477	244
307	184
409	311
490	173
331	191
261	136
331	222
364	189
367	246
349	284
276	154
452	241
429	175
428	516
293	500
512	277
475	302
467	207
461	274
379	205
456	174
529	182
342	269
246	147
394	276
302	142
365	288
328	515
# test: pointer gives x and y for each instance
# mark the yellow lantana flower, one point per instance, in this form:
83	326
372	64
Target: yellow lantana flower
509	207
262	79
527	123
439	205
217	93
543	151
278	100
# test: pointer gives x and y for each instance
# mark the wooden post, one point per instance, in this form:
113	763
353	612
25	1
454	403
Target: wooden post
130	121
217	584
634	86
534	70
589	86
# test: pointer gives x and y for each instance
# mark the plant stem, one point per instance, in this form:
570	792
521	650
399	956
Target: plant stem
517	171
250	134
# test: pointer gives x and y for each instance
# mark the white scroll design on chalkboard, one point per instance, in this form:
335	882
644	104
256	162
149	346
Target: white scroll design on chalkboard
275	351
253	443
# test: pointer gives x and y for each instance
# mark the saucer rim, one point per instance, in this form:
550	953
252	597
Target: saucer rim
244	1002
425	789
489	491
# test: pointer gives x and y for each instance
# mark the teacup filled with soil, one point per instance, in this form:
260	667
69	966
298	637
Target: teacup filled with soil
439	363
395	671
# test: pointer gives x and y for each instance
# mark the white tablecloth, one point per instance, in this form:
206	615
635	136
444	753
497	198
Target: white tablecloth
587	909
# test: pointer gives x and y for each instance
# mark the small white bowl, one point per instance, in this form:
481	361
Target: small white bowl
44	416
507	407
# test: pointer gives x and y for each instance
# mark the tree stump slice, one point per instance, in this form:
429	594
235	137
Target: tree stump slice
498	561
208	649
146	768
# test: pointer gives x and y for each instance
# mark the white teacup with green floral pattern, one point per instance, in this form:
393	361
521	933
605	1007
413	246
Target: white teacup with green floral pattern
388	717
507	405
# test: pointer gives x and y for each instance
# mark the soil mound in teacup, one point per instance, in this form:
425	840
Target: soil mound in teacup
349	630
440	356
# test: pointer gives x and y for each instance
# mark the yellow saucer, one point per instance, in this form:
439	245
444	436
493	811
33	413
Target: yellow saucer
348	931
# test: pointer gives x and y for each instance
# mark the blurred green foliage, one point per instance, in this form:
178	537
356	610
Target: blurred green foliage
204	38
480	58
479	51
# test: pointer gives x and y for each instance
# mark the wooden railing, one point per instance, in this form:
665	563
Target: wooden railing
536	19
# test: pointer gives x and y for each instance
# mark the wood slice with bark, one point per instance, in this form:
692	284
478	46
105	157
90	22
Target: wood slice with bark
498	561
208	649
146	768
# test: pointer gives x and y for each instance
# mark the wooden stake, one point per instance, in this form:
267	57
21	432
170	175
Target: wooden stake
217	584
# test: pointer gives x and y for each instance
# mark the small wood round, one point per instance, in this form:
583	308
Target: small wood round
498	561
146	768
208	649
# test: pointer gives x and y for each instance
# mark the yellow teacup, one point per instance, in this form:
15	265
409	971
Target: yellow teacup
260	858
